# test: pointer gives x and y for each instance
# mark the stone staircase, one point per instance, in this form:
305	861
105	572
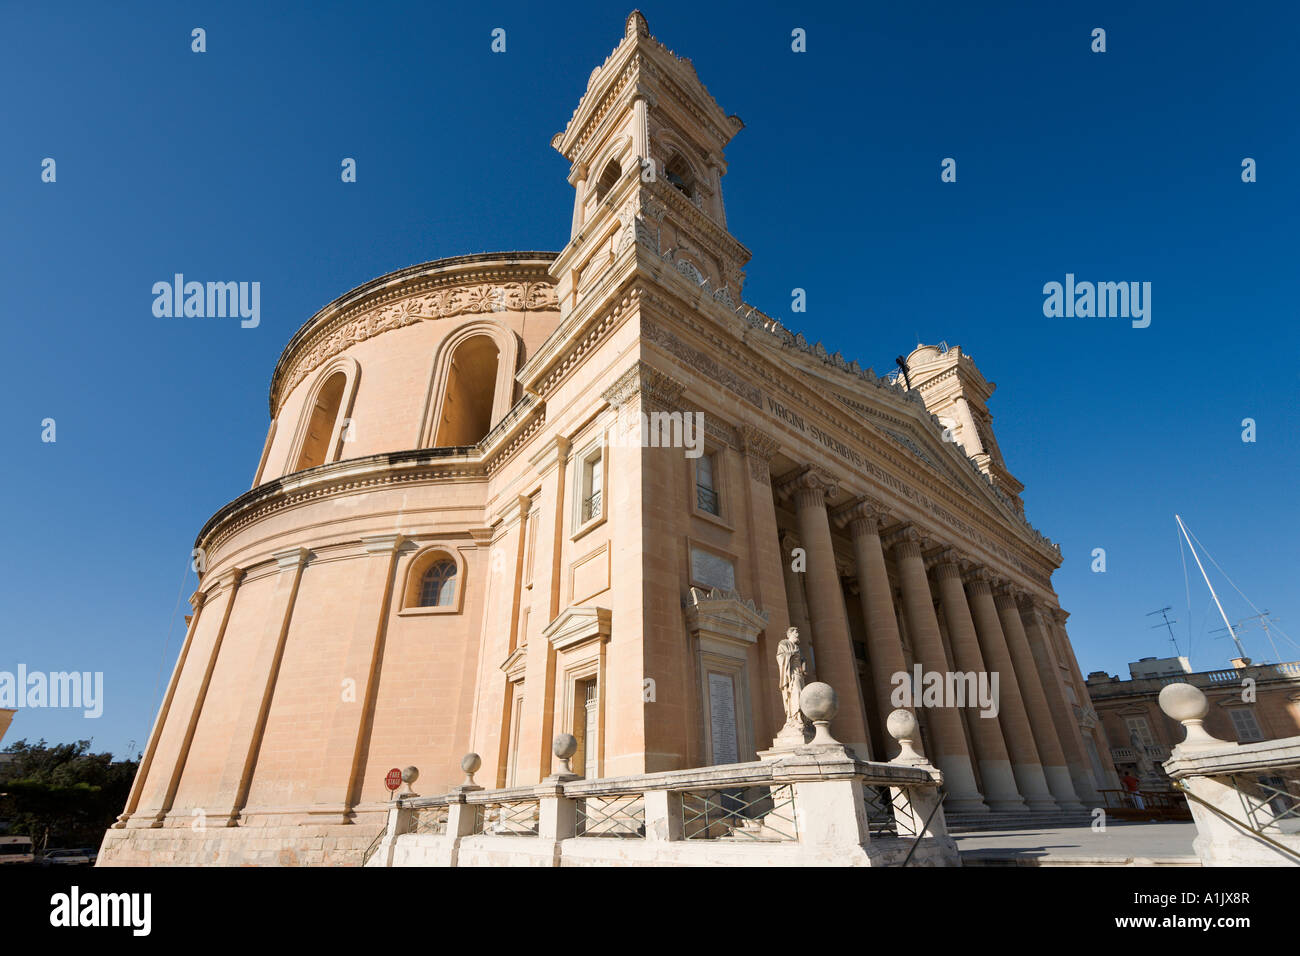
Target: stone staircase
1021	820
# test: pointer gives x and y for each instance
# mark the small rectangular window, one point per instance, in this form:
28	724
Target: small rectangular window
706	491
592	486
1244	723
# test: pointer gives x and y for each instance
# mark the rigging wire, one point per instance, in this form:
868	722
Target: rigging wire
1235	588
1187	586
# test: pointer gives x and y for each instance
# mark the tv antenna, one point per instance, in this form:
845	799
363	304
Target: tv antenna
1261	619
1166	623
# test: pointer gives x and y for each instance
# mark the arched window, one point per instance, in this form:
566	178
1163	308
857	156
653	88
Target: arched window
320	426
678	173
438	585
465	415
609	178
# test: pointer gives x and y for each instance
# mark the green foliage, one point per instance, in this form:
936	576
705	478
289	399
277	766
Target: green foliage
62	795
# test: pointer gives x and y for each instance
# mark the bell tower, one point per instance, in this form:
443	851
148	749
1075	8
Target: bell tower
646	152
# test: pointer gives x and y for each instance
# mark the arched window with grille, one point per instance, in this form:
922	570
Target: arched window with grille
438	585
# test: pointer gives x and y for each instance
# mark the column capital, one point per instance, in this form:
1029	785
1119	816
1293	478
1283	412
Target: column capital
382	543
978	578
1057	615
905	540
647	382
862	515
196	600
946	558
759	448
513	510
291	558
550	454
808	486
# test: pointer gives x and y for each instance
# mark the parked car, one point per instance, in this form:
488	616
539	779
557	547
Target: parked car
66	858
16	849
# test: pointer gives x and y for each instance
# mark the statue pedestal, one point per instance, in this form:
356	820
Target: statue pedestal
792	736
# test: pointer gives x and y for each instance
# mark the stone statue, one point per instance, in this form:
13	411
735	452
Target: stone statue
1146	767
794	674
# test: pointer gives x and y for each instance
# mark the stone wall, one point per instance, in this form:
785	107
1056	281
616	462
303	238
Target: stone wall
239	846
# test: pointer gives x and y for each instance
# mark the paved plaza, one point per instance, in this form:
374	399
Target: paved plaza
1120	844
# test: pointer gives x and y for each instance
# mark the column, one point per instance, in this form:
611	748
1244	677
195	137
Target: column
346	733
1001	791
1035	700
768	576
831	640
796	599
884	646
947	743
1067	728
535	731
1088	719
155	816
1025	762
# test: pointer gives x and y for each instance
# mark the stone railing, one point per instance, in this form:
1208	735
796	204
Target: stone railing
1245	798
815	805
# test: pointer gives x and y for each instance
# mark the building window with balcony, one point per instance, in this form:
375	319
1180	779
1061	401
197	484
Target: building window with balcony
706	488
589	494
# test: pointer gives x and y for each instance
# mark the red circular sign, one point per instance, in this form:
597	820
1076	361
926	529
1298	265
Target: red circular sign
393	779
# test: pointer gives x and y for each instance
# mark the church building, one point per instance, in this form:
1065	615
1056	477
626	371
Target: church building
509	496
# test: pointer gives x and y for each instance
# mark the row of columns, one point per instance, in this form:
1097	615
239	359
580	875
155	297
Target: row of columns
1030	755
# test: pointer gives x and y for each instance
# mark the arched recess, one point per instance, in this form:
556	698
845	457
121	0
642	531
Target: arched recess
432	562
319	434
472	385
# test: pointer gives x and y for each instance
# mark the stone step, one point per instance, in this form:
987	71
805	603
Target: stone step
969	822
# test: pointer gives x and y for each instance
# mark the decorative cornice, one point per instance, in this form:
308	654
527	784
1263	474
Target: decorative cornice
759	448
723	613
647	383
444	288
577	625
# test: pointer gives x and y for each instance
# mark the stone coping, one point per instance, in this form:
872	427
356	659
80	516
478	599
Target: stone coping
804	765
1266	755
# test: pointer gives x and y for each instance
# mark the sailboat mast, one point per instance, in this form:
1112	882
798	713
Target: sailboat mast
1241	651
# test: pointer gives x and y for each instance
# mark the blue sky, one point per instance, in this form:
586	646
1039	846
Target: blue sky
225	166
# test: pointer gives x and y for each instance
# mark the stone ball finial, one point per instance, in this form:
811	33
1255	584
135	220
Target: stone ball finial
903	727
1188	705
470	764
1184	702
410	775
819	701
565	746
820	704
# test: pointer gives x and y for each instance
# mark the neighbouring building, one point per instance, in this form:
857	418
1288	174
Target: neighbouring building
1248	703
508	496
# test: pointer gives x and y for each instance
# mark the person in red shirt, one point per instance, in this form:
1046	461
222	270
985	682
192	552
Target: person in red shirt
1131	785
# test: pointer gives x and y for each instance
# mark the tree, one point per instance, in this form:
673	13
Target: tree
62	795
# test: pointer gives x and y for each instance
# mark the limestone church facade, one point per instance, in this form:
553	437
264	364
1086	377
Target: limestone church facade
459	538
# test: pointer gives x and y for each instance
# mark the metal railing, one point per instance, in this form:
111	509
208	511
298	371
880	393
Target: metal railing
618	815
507	818
591	507
740	813
1270	801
